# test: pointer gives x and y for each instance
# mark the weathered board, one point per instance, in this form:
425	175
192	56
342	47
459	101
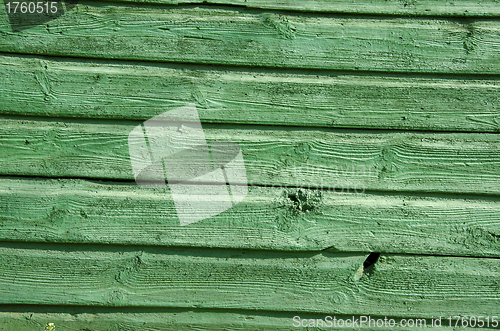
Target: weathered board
80	211
38	86
233	36
369	131
318	282
382	161
384	7
32	318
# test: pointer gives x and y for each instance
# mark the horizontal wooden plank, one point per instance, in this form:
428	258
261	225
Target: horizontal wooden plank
154	321
173	319
88	89
77	211
232	36
408	7
386	161
96	318
422	286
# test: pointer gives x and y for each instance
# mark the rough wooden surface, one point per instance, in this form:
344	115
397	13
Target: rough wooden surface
31	318
39	86
384	7
77	211
318	93
231	279
385	161
239	37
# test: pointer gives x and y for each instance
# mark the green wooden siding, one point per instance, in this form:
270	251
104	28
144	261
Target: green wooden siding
382	161
56	87
368	128
84	211
245	38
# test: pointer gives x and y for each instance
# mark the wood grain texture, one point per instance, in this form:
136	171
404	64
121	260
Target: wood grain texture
76	211
156	320
177	319
402	7
239	37
385	161
88	89
115	252
91	318
422	286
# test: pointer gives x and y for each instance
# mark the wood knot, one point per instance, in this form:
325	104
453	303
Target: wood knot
280	23
302	148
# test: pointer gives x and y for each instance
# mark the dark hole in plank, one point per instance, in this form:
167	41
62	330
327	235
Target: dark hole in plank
371	260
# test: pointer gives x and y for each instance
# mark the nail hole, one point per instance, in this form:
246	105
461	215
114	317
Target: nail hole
371	260
366	268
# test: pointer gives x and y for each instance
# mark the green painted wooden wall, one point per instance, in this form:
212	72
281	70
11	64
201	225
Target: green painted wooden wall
369	131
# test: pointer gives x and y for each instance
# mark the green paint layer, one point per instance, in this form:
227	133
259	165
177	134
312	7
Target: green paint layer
160	319
77	211
54	87
296	84
245	38
465	8
321	282
385	161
